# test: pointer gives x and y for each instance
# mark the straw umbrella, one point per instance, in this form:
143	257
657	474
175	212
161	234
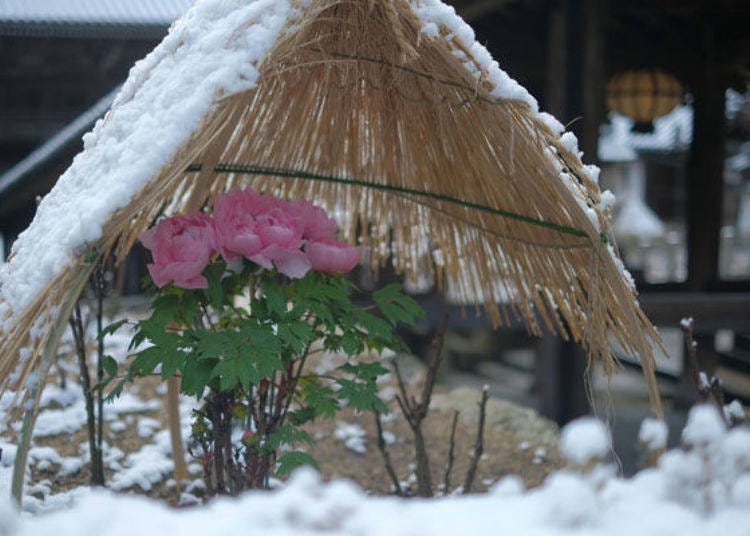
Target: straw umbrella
385	112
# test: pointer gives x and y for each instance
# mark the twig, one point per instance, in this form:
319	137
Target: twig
709	388
416	411
386	456
99	287
451	455
479	445
76	326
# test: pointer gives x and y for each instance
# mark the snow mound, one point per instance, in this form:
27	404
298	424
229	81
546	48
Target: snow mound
585	440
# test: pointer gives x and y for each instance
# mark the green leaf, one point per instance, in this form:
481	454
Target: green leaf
215	290
247	370
146	361
196	373
116	392
171	364
289	435
365	371
318	397
112	328
301	416
290	461
397	306
373	325
362	396
275	298
298	335
352	344
109	364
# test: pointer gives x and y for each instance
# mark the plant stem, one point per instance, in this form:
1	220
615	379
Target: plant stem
76	326
479	445
383	448
99	286
451	455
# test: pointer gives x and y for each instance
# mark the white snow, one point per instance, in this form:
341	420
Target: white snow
635	220
704	426
70	419
653	434
353	436
672	132
585	440
568	503
734	411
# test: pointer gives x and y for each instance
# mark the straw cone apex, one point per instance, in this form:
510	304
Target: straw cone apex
388	113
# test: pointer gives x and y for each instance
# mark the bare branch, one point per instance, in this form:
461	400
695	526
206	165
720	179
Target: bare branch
451	455
479	445
386	456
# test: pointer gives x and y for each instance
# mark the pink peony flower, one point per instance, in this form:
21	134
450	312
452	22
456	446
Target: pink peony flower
182	247
332	257
317	225
281	236
234	216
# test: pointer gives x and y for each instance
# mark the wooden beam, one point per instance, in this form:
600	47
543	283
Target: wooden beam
476	9
711	310
705	173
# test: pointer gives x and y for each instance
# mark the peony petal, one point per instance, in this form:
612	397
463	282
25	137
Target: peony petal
148	237
197	282
294	266
332	257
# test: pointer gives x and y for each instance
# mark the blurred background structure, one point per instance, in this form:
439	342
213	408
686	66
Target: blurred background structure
656	91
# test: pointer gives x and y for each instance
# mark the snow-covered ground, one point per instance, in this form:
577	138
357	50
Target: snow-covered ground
702	490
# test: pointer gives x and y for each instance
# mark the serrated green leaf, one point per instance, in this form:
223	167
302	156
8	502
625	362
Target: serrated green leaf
112	328
397	306
289	435
196	375
215	291
290	461
352	344
109	364
146	361
171	363
301	416
275	299
373	325
297	335
362	396
321	399
365	371
116	392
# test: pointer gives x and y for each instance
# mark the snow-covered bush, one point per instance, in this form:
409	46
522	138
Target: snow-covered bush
712	468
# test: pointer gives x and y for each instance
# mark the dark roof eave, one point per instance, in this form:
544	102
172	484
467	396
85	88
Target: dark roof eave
84	30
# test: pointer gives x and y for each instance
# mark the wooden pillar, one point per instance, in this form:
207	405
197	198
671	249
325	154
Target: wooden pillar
705	183
557	59
559	380
592	74
575	52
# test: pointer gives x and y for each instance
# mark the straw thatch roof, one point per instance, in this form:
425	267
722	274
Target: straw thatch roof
385	112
